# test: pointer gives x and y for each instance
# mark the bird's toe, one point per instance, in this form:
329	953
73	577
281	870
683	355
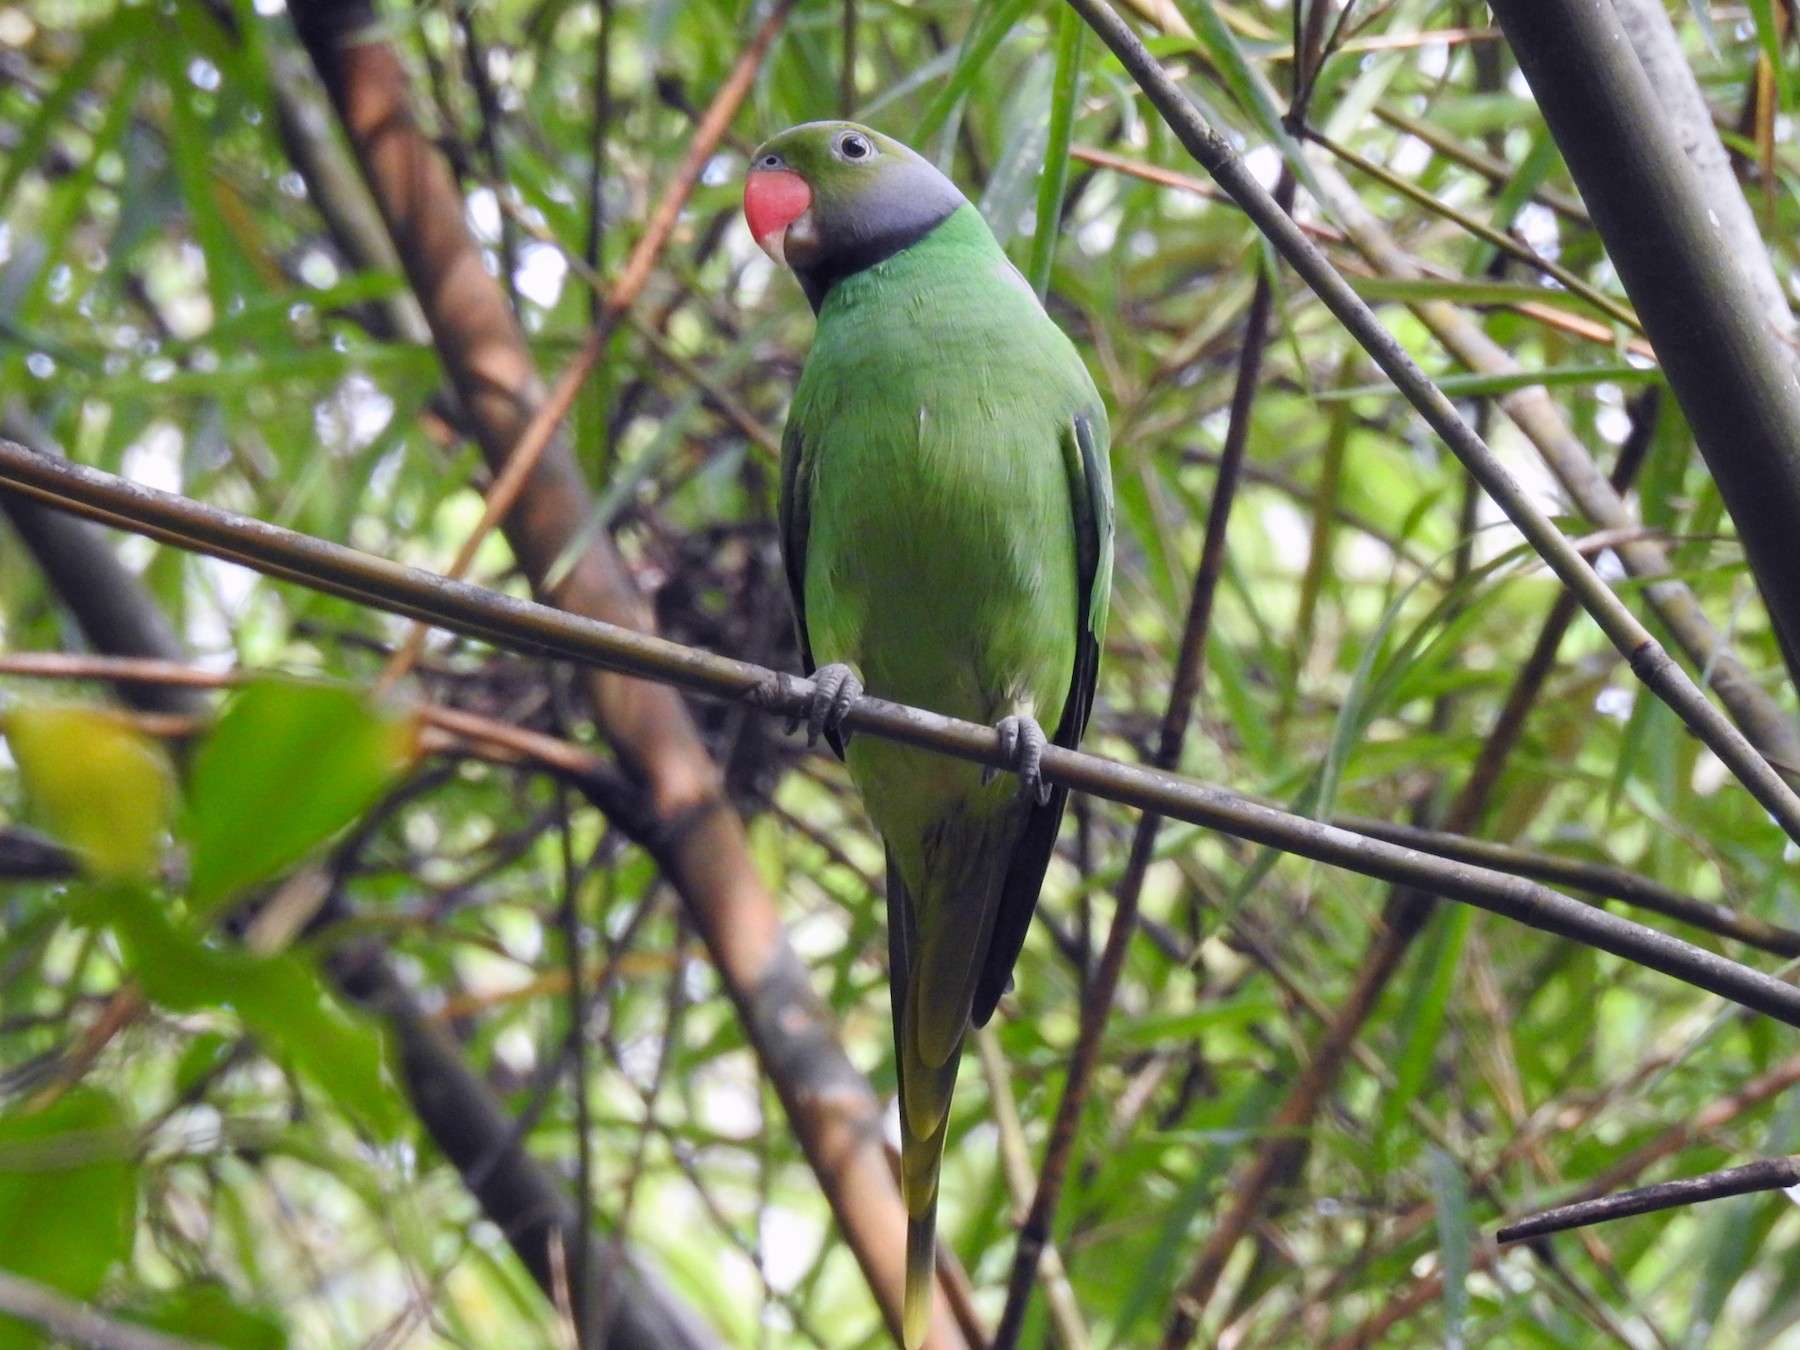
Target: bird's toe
835	689
1022	741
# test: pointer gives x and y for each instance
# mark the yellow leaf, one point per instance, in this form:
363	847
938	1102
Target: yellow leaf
100	786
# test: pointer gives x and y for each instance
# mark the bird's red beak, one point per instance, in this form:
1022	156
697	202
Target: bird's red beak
774	200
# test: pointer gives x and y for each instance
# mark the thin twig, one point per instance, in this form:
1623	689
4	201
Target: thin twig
67	1320
1769	1174
1015	1165
1500	239
1537	415
1407	912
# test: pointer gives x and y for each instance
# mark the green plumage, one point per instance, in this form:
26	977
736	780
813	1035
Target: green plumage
946	521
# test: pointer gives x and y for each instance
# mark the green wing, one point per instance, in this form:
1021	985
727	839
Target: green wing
795	522
1090	491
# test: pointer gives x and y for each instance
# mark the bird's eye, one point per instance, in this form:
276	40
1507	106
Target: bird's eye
769	161
855	147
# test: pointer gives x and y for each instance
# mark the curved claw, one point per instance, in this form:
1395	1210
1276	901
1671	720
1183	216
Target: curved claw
835	688
1022	741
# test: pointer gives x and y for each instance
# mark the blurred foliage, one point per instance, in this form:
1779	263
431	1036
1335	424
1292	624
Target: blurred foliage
173	306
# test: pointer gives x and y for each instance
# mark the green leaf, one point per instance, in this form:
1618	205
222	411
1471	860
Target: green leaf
1055	182
68	1198
1474	386
208	1314
280	999
287	766
99	785
992	22
1455	1241
1421	1019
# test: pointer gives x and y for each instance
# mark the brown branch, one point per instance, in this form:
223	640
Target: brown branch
1428	1290
834	1113
107	600
76	1323
1768	1174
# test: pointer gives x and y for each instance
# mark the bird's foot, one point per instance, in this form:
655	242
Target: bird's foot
835	688
1022	741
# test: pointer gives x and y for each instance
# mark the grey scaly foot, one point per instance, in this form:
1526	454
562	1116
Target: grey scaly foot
1022	741
835	688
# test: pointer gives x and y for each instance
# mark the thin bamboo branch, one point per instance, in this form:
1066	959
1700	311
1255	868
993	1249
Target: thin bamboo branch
522	625
105	598
1500	239
1496	171
452	1103
1015	1163
522	460
1648	660
1767	1174
482	1142
505	742
1284	1151
1427	1290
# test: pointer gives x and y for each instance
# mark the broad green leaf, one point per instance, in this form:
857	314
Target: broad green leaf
280	999
207	1313
68	1198
101	787
287	766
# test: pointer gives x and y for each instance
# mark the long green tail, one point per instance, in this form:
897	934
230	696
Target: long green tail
935	962
920	1160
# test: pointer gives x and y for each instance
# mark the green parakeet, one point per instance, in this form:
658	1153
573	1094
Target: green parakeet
946	521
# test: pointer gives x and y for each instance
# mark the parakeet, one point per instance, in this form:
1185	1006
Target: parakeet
946	521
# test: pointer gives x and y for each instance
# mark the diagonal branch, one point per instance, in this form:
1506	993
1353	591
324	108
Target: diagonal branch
1284	1150
1537	415
79	1324
525	626
1648	660
1767	1174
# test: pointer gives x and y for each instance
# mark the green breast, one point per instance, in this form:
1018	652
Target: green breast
941	555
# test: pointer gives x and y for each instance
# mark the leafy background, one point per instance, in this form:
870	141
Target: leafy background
196	1130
